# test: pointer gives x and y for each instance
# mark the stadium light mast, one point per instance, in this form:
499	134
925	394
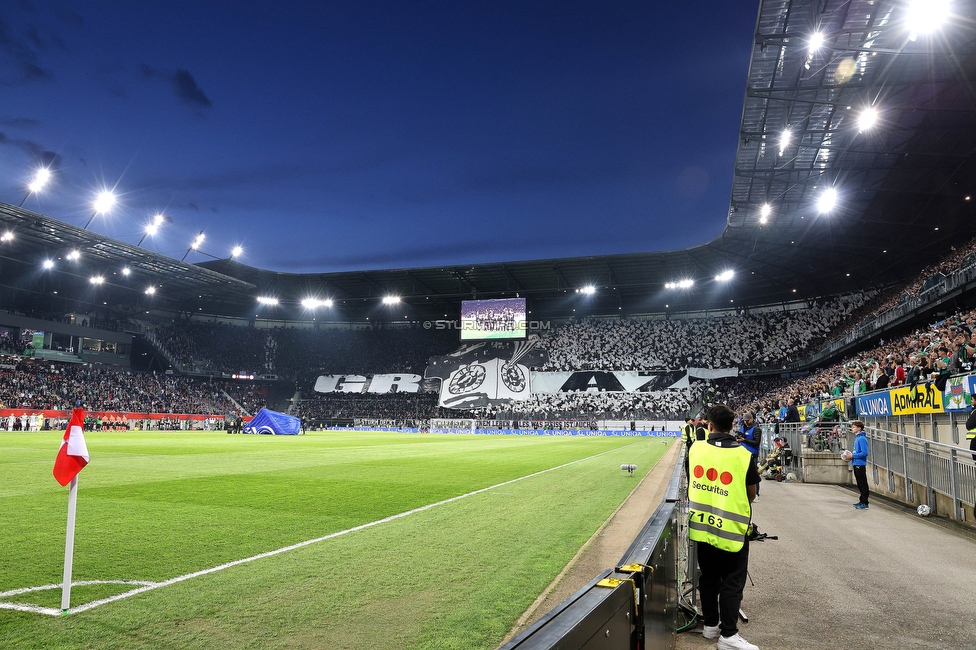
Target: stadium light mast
102	204
153	227
41	177
194	245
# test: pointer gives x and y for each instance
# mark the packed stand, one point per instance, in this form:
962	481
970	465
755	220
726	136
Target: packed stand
63	387
251	397
737	340
389	406
216	347
665	404
931	354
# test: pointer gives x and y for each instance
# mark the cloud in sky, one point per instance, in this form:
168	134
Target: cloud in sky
47	158
183	84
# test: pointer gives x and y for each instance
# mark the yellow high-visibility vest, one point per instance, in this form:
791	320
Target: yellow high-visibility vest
720	512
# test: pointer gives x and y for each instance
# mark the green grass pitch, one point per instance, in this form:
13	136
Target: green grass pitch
154	506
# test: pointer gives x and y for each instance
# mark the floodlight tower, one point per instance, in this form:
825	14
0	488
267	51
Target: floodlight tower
102	204
153	227
194	245
41	177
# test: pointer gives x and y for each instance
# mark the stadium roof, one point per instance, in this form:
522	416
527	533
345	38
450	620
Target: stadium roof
903	189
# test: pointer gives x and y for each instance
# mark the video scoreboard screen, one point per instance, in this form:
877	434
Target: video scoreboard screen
493	319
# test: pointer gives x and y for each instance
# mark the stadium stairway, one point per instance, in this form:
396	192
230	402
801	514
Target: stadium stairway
237	406
839	577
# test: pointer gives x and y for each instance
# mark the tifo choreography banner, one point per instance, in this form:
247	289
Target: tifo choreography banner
390	383
479	374
601	381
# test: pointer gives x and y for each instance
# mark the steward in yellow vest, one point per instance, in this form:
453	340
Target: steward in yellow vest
721	488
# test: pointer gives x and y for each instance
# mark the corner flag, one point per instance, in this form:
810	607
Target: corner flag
73	454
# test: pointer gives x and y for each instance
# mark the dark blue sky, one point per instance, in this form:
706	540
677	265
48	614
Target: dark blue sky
328	136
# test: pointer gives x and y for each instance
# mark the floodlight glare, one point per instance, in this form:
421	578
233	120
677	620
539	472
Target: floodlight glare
784	140
198	241
827	200
267	300
391	300
686	284
236	251
314	303
41	177
764	212
816	42
725	276
924	16
7	236
867	119
96	279
74	256
48	264
103	202
158	220
150	290
588	290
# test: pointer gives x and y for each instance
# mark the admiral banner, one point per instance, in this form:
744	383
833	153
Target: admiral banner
924	398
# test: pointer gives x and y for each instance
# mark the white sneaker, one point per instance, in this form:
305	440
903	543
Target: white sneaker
735	642
711	631
756	500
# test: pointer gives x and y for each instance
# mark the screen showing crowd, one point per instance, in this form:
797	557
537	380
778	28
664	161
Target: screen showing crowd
493	319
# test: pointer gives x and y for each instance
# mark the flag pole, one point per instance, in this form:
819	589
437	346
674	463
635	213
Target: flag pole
69	546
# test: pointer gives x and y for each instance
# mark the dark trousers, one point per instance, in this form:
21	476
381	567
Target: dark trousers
972	445
861	477
723	577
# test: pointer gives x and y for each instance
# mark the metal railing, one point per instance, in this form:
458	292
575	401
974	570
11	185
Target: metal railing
933	467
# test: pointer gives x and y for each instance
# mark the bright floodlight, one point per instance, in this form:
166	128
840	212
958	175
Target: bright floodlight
924	16
198	241
314	303
764	212
41	177
103	202
7	236
816	42
391	300
267	300
588	289
867	119
150	290
48	264
74	256
686	284
236	251
126	271
784	140
725	276
827	200
96	279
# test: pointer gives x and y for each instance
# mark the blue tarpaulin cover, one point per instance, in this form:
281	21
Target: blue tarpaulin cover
281	424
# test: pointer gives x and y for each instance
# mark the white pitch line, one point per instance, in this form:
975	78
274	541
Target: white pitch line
149	586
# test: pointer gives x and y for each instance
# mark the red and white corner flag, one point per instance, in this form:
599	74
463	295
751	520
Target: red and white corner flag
72	458
73	455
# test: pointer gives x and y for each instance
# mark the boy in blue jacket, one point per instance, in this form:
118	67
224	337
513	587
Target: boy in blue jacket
859	461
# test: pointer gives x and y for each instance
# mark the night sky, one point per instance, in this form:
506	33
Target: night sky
337	136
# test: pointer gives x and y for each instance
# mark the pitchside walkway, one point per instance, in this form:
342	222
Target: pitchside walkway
845	578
